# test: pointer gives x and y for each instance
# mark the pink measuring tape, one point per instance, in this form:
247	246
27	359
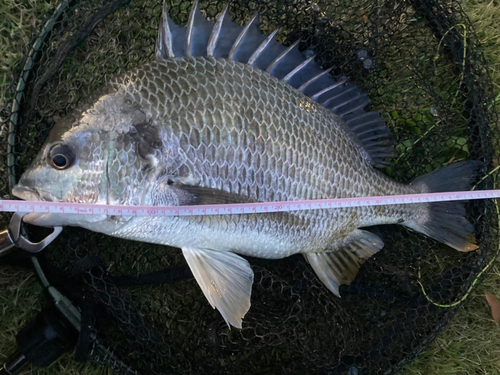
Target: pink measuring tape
239	208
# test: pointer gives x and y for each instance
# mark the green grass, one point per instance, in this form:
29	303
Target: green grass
17	20
484	15
470	344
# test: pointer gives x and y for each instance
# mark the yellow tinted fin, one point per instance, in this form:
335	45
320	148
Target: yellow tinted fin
338	267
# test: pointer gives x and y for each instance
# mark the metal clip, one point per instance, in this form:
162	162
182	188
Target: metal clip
6	243
13	237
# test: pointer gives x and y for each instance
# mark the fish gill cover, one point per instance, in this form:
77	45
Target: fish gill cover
421	67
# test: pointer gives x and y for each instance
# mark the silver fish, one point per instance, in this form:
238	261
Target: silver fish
225	114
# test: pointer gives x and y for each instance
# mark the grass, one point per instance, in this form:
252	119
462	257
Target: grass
484	15
17	20
470	344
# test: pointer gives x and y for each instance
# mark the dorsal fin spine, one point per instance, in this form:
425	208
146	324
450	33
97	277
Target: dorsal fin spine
214	36
329	88
340	105
190	29
240	37
349	110
313	79
359	117
370	138
281	57
382	154
361	128
298	68
262	47
164	42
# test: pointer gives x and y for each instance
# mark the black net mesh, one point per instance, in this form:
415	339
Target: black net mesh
420	63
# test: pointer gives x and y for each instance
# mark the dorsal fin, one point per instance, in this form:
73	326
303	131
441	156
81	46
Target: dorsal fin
164	48
247	44
262	47
197	34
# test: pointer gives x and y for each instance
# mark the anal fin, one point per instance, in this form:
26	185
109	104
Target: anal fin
226	281
338	267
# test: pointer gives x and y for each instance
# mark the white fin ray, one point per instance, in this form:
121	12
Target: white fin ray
257	53
359	102
282	57
226	35
197	34
361	118
190	29
216	30
364	243
164	48
329	88
226	281
241	37
302	87
327	271
297	69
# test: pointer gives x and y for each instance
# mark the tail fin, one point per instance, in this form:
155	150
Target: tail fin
445	221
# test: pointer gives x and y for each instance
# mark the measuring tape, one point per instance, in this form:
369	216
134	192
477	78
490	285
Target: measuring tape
239	208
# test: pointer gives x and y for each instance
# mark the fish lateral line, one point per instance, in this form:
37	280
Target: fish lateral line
240	208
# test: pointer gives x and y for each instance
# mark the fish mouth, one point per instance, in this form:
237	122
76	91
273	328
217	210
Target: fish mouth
30	194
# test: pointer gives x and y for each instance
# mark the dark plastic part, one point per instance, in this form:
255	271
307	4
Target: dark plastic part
82	349
48	337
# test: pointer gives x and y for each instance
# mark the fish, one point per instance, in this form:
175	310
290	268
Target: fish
226	114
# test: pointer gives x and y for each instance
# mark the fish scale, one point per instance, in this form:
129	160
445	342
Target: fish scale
226	115
317	163
333	165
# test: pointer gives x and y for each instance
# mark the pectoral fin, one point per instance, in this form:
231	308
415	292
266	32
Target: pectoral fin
226	280
338	267
199	195
202	195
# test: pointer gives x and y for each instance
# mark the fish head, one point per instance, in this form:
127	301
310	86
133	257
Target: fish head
74	163
70	167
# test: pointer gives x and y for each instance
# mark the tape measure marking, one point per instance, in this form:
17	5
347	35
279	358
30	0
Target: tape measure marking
239	208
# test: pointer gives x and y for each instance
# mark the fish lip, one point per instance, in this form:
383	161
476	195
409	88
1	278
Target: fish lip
29	194
25	193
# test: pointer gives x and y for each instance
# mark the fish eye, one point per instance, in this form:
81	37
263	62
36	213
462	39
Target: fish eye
61	156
